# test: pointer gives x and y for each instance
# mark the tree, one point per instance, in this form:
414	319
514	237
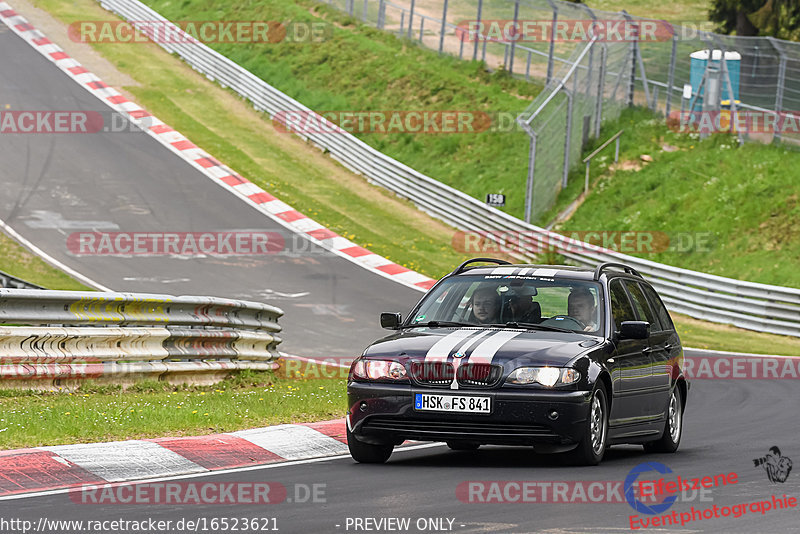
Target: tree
776	18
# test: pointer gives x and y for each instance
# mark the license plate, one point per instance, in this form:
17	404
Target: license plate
452	403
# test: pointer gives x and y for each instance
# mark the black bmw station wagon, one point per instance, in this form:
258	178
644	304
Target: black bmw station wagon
563	359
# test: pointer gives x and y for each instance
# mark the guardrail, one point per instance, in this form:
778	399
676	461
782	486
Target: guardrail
7	280
74	335
754	306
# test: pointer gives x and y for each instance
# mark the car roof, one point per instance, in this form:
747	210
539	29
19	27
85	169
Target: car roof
544	271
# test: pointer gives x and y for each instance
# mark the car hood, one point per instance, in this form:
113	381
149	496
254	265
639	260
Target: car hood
486	345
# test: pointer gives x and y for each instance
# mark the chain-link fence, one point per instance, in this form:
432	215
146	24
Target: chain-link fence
595	63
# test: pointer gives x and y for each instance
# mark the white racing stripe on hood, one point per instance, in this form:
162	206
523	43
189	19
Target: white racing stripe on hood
464	348
485	352
440	350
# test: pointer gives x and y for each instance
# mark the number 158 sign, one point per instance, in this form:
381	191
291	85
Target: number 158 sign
496	199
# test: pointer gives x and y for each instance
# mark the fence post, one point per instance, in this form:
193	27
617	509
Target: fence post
529	184
411	19
514	38
601	82
444	27
364	11
671	75
382	14
567	139
781	82
552	42
350	7
632	80
421	27
477	26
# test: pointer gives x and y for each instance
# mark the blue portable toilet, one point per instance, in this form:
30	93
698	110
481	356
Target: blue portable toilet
699	59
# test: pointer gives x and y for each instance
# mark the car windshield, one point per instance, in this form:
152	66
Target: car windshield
530	302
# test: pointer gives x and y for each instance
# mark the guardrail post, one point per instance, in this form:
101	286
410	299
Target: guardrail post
671	75
551	51
411	19
443	28
567	139
529	184
478	27
514	38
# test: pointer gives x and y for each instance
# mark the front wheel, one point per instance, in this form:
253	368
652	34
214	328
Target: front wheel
592	446
673	428
367	453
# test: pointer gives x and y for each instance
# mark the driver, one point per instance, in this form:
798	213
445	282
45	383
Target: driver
486	305
581	306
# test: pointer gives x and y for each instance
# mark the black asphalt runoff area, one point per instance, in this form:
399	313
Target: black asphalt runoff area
53	185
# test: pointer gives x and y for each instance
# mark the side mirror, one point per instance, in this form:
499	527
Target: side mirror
634	330
391	320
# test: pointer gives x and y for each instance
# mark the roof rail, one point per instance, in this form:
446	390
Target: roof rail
463	266
600	268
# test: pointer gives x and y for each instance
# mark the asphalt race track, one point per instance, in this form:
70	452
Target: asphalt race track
728	424
53	185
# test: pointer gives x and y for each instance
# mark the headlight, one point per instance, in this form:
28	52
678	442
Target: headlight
378	370
546	376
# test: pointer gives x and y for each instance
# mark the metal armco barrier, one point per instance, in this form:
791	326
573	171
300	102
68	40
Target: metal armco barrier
127	336
754	306
7	280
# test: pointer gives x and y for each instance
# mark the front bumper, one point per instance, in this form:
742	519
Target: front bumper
382	413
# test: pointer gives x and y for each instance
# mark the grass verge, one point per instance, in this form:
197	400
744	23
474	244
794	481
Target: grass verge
712	206
18	261
154	409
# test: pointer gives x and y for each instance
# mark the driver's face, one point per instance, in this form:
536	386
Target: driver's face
485	307
581	309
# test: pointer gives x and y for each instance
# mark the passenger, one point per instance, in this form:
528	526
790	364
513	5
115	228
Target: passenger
581	306
523	307
486	305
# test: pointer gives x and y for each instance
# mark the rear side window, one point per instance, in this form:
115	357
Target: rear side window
658	306
642	306
621	308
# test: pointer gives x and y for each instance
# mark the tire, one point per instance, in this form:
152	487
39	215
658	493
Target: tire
673	428
463	445
366	453
593	444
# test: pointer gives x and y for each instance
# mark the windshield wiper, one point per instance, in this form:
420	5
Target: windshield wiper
514	324
435	324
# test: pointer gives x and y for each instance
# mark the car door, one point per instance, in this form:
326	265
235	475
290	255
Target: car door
629	364
656	383
668	353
